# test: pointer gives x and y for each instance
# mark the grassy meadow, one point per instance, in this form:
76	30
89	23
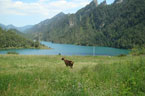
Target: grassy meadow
22	75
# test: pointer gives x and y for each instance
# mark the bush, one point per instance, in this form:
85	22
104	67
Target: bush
122	55
138	51
12	53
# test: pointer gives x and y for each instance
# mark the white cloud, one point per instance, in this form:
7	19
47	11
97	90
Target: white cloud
46	8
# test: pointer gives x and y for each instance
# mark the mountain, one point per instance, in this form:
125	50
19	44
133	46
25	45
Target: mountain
44	26
13	39
120	25
2	26
10	27
21	29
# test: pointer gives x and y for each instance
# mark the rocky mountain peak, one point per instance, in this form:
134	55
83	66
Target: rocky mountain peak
118	1
103	3
60	14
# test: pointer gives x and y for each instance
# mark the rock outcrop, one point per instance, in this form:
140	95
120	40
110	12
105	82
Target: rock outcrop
103	3
118	1
96	2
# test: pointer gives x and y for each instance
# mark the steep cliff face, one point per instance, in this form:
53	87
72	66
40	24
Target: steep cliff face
96	2
72	20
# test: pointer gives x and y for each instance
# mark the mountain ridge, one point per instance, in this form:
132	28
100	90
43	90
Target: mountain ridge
117	25
10	26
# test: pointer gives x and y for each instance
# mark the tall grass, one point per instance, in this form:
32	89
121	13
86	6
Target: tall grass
91	76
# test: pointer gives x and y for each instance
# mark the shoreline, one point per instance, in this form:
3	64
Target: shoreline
41	47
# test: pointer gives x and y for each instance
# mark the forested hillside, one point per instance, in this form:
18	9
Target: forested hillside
120	25
12	39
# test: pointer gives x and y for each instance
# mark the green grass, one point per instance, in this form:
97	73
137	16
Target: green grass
91	76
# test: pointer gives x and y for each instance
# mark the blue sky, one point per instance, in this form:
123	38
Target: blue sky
30	12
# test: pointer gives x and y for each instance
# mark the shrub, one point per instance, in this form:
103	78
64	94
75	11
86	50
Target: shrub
138	51
12	53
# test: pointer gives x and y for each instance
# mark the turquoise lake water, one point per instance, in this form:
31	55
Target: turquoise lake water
69	49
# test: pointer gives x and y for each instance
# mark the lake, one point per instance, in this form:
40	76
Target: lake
68	50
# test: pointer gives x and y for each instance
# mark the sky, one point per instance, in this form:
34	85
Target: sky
30	12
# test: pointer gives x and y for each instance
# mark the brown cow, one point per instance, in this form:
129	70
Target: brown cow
68	63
